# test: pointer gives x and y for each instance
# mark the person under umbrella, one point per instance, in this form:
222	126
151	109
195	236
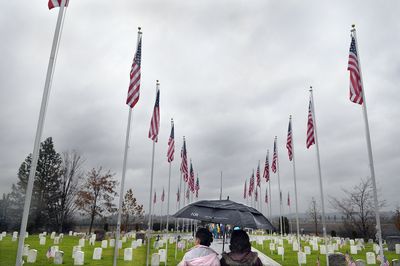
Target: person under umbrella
201	254
241	253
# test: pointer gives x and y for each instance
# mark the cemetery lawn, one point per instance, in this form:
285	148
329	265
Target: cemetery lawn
8	252
290	258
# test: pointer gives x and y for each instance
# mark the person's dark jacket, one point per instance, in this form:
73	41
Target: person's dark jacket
241	259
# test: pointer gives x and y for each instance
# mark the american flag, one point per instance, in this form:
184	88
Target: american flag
274	158
191	178
258	175
245	189
178	195
171	144
266	196
134	83
355	77
162	195
56	3
197	187
184	164
310	127
251	185
289	143
155	198
155	120
288	199
266	167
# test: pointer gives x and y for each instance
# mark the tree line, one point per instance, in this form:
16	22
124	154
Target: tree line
63	190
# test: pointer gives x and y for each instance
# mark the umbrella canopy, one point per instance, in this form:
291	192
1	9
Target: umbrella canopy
225	212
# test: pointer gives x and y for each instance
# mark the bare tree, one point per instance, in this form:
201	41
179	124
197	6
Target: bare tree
71	174
131	210
97	195
358	208
314	212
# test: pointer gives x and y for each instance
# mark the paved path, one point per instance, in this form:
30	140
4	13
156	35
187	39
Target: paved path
267	261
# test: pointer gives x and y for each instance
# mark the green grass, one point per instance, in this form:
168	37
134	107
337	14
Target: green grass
8	252
290	257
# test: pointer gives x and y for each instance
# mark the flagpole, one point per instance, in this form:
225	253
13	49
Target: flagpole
319	174
162	204
295	186
279	187
270	200
220	191
370	156
260	202
169	186
150	196
180	197
39	131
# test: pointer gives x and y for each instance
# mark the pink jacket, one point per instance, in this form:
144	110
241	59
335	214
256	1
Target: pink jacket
200	256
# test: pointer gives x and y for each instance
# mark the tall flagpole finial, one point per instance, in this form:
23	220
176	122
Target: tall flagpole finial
172	120
310	88
157	82
139	29
290	116
353	27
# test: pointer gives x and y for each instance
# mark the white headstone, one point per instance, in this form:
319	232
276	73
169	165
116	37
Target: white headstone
1	237
26	250
56	240
124	239
315	246
97	253
281	251
295	246
92	241
155	259
42	241
260	241
376	248
61	236
397	247
119	243
53	235
271	246
301	258
163	255
353	250
330	249
134	244
26	234
371	258
140	242
336	247
58	257
112	242
322	249
44	233
15	234
104	243
128	254
75	249
70	233
14	238
79	258
351	242
82	242
307	250
280	242
4	233
32	254
171	240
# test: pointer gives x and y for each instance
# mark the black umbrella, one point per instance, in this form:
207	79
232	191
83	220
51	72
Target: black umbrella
225	212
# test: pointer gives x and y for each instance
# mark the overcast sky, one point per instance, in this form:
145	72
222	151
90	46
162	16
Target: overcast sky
231	73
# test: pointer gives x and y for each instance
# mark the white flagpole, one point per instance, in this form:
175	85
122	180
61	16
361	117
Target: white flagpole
220	191
295	186
261	198
169	186
270	200
162	204
39	130
370	157
121	192
319	174
150	196
180	197
279	187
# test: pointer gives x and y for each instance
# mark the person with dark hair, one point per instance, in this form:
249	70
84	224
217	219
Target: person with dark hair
241	254
201	254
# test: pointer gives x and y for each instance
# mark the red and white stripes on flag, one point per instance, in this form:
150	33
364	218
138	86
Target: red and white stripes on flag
155	119
184	163
245	189
134	81
310	127
197	187
162	195
258	175
191	178
274	158
266	167
171	144
289	143
355	73
56	3
251	185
